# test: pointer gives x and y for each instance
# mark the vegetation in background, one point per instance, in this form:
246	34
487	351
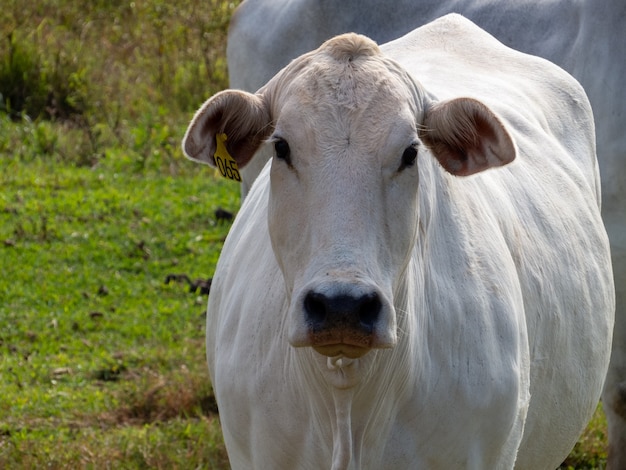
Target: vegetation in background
101	363
107	74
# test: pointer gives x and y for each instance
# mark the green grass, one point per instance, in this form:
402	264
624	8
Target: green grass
101	363
93	342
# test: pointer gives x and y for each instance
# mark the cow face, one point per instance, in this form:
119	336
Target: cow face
348	128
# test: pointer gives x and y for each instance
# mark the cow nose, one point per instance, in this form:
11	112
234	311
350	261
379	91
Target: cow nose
344	311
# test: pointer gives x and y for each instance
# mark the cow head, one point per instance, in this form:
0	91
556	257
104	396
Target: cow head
348	127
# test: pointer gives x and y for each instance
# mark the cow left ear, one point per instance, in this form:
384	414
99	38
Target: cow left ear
232	123
466	137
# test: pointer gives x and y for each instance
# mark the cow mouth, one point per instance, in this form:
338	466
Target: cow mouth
341	350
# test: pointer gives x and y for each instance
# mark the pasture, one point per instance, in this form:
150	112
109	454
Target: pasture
101	362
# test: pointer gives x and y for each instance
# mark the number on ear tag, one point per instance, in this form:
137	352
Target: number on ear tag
226	165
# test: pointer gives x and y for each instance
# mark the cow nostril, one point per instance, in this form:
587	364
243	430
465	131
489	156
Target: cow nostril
369	310
315	306
323	312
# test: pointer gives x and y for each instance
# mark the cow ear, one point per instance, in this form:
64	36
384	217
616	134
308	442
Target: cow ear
237	119
466	136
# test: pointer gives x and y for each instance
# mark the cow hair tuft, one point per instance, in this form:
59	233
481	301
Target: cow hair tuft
349	47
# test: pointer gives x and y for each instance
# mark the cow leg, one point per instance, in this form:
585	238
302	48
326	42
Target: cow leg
615	409
614	395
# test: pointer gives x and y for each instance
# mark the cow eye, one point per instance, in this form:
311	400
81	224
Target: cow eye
281	147
408	157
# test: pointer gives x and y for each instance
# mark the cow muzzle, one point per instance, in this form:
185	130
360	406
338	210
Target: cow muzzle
343	320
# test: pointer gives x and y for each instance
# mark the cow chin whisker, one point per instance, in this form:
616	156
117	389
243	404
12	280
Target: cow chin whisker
338	362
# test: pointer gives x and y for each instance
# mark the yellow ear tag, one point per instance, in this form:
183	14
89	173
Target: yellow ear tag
226	165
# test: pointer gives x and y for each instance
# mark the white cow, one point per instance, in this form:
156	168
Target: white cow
586	38
384	299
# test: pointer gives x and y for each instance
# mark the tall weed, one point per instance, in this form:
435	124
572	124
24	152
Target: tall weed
114	74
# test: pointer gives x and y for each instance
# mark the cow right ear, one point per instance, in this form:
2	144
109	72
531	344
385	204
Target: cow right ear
466	136
238	120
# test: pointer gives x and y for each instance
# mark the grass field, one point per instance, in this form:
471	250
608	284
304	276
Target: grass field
101	362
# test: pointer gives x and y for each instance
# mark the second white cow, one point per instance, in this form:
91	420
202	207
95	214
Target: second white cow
420	277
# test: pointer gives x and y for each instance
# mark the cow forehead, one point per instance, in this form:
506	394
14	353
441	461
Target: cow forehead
346	98
347	77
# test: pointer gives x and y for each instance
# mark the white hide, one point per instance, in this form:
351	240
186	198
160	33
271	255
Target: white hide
587	39
496	293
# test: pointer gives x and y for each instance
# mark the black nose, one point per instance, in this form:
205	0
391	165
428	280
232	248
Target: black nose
342	311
